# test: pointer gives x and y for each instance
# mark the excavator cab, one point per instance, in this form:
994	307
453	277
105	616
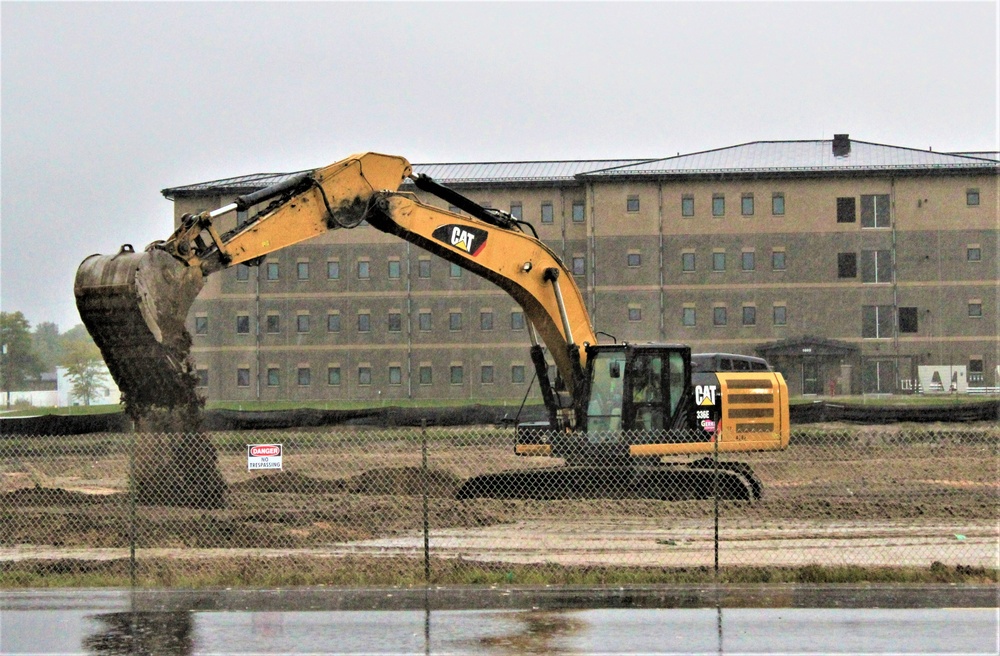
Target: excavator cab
636	388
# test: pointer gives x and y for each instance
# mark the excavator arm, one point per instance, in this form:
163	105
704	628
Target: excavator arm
135	304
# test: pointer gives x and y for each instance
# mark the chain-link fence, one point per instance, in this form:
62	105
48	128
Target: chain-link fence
458	506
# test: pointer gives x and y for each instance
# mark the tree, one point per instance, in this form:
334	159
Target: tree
18	362
47	345
85	370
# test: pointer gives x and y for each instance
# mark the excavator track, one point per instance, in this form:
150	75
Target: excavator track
698	480
134	306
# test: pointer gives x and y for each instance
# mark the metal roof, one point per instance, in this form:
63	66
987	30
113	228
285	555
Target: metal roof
798	156
757	157
495	172
453	173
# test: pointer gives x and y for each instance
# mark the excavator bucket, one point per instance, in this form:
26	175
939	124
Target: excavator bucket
134	306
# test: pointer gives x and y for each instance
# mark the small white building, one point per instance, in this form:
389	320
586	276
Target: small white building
108	394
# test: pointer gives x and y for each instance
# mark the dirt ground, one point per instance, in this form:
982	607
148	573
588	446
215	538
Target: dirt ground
881	496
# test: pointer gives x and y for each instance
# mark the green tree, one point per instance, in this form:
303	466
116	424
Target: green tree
18	362
85	370
47	345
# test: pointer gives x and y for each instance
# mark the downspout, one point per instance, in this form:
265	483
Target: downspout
895	288
663	296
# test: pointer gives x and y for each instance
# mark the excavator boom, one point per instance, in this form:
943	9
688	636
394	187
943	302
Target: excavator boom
135	304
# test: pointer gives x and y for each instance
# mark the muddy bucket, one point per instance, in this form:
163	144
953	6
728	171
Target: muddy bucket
134	306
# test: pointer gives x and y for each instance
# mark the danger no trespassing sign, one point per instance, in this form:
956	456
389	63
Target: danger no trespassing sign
263	456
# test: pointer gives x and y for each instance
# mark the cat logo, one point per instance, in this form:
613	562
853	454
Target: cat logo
704	394
465	238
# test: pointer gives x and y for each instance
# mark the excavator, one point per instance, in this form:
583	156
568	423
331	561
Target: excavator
643	419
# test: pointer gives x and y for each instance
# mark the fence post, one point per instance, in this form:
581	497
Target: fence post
131	503
426	485
715	496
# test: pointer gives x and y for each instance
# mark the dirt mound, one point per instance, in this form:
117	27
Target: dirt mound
406	481
286	482
45	496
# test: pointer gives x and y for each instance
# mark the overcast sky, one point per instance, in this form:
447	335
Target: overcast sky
104	105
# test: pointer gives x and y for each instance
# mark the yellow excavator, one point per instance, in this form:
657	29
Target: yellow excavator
628	419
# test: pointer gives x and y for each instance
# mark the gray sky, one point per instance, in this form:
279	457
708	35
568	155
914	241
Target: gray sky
104	105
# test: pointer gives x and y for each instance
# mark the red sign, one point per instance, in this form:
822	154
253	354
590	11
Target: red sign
259	450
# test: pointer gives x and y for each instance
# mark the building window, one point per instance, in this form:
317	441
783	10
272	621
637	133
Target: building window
457	374
687	262
333	270
876	266
333	375
719	316
425	375
203	378
748	260
688	316
746	205
243	324
876	321
424	321
687	206
424	268
578	214
547	215
272	270
305	376
749	315
273	324
517	210
242	272
579	265
395	322
972	197
975	308
273	377
455	271
395	375
907	319
635	314
243	377
632	204
634	259
778	260
780	315
364	269
846	210
976	371
395	268
973	254
364	322
486	374
201	325
875	211
847	265
778	204
517	373
333	323
517	320
302	323
486	320
718	261
364	375
718	205
454	321
302	270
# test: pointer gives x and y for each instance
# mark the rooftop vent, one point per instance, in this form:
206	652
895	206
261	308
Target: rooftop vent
841	145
